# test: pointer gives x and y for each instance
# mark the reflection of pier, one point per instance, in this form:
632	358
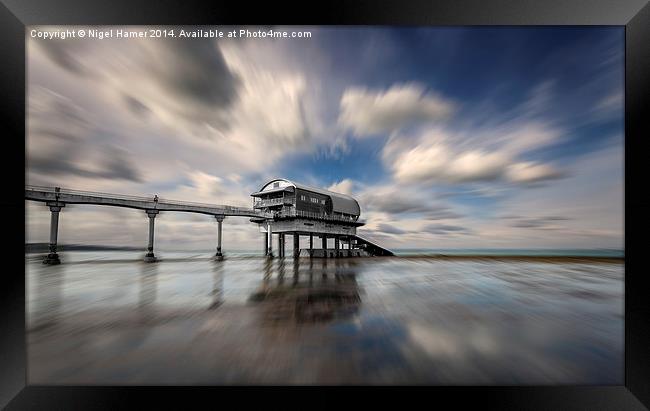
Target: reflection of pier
333	294
48	298
217	286
148	291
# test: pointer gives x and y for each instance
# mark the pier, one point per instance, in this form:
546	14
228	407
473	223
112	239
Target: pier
276	211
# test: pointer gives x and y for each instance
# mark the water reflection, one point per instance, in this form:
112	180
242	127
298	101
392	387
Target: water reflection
48	298
148	286
304	301
324	321
217	285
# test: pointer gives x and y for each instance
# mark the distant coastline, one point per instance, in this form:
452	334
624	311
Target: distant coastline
534	255
44	247
527	258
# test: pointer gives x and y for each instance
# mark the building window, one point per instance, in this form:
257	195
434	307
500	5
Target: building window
276	184
302	198
322	202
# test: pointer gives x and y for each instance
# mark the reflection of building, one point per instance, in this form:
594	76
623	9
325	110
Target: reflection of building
316	292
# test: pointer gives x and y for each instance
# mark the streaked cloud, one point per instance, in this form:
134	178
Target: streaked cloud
63	141
437	156
532	173
370	112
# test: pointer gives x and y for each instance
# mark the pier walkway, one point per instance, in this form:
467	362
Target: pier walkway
65	196
57	198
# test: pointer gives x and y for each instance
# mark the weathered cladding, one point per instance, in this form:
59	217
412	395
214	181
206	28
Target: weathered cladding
313	202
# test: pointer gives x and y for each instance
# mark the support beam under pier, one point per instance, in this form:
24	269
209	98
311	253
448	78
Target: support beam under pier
336	247
296	245
52	257
150	257
269	240
219	255
281	245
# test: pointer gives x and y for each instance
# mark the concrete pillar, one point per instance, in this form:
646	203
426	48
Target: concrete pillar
311	241
324	244
281	245
336	246
52	257
150	257
296	245
219	255
269	240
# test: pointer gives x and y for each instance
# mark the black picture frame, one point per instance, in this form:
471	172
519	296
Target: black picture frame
634	15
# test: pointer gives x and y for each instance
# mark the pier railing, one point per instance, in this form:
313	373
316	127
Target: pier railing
64	195
270	202
318	216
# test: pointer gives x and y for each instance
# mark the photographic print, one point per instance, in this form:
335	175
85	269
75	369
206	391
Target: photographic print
324	205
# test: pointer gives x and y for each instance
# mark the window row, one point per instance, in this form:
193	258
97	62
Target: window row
313	200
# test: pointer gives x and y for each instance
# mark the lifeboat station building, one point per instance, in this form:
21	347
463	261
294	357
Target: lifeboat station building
299	210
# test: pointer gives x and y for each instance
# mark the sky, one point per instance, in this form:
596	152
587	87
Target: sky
449	137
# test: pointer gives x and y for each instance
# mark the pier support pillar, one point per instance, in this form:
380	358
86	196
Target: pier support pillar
296	245
269	240
281	245
324	243
150	257
52	257
219	255
311	241
336	247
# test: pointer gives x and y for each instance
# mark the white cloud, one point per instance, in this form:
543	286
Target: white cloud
437	156
369	112
344	187
529	172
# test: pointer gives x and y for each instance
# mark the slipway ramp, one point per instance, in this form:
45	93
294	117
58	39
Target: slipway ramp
371	247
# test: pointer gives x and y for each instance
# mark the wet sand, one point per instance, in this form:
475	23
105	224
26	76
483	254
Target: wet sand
526	258
399	320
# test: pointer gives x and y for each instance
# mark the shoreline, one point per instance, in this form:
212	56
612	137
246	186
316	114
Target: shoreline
440	257
539	258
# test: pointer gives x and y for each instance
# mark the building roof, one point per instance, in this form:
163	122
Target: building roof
341	203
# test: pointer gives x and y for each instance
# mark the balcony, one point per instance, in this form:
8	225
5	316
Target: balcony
271	202
316	216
